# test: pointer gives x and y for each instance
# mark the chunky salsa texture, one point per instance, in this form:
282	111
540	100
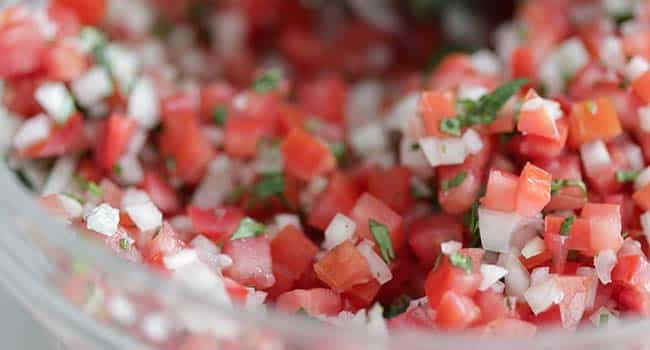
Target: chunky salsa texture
253	151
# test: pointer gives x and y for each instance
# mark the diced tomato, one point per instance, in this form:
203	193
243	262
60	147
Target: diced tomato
113	141
578	236
305	156
339	197
217	224
251	261
573	303
393	187
642	197
627	268
368	207
500	192
90	12
492	305
112	193
22	44
162	194
604	225
164	243
523	63
66	20
636	43
419	318
635	299
65	62
426	235
447	277
533	190
325	98
18	95
215	95
509	327
242	136
641	86
362	295
456	312
434	107
182	139
343	267
537	121
593	120
64	139
317	301
292	251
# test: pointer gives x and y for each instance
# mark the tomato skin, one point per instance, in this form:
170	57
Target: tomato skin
113	141
317	301
292	251
456	312
251	261
162	194
305	156
447	278
523	63
393	187
368	207
426	235
89	12
217	224
340	197
343	267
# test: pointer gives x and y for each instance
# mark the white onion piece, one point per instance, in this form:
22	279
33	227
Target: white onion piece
592	290
60	176
542	296
203	244
124	65
134	196
595	156
636	67
490	275
369	139
254	299
450	247
443	151
283	220
486	62
471	92
552	108
644	118
534	247
120	309
378	267
472	141
215	186
103	219
498	287
92	87
611	53
539	275
156	327
604	263
517	280
340	229
363	103
402	111
55	100
200	278
143	105
130	170
645	224
376	321
634	156
71	206
642	179
180	259
500	231
32	131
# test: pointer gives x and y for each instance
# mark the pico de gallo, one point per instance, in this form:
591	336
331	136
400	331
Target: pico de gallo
257	154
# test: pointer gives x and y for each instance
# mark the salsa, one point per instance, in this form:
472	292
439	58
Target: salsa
250	150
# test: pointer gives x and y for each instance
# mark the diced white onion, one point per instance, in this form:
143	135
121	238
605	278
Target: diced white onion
517	280
369	139
200	278
618	7
143	104
472	141
32	131
92	87
103	219
490	275
134	196
121	310
552	108
269	160
636	67
539	275
71	206
156	327
131	172
604	263
644	118
283	220
498	287
254	300
534	247
507	39
541	297
378	267
642	179
60	176
567	59
180	259
412	157
450	247
611	52
645	224
146	216
634	156
592	290
447	151
55	100
124	65
376	321
212	190
486	62
230	29
471	92
340	229
595	156
363	103
405	109
500	231
203	244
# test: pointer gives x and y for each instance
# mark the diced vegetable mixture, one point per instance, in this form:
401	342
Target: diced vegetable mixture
253	150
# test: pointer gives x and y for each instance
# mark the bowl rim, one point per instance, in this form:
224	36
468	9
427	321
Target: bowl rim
21	200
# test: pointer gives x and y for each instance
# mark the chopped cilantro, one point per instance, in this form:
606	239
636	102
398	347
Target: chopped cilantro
220	114
592	107
451	126
625	234
603	318
471	220
558	184
90	186
270	185
566	225
397	307
382	237
236	194
338	150
125	243
269	81
118	169
415	146
624	176
462	261
248	228
454	181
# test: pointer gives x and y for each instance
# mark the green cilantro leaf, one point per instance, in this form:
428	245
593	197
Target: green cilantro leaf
624	176
471	220
118	169
338	150
566	225
558	184
220	114
603	318
397	307
125	243
269	81
90	186
248	228
454	181
462	261
270	185
382	237
451	126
